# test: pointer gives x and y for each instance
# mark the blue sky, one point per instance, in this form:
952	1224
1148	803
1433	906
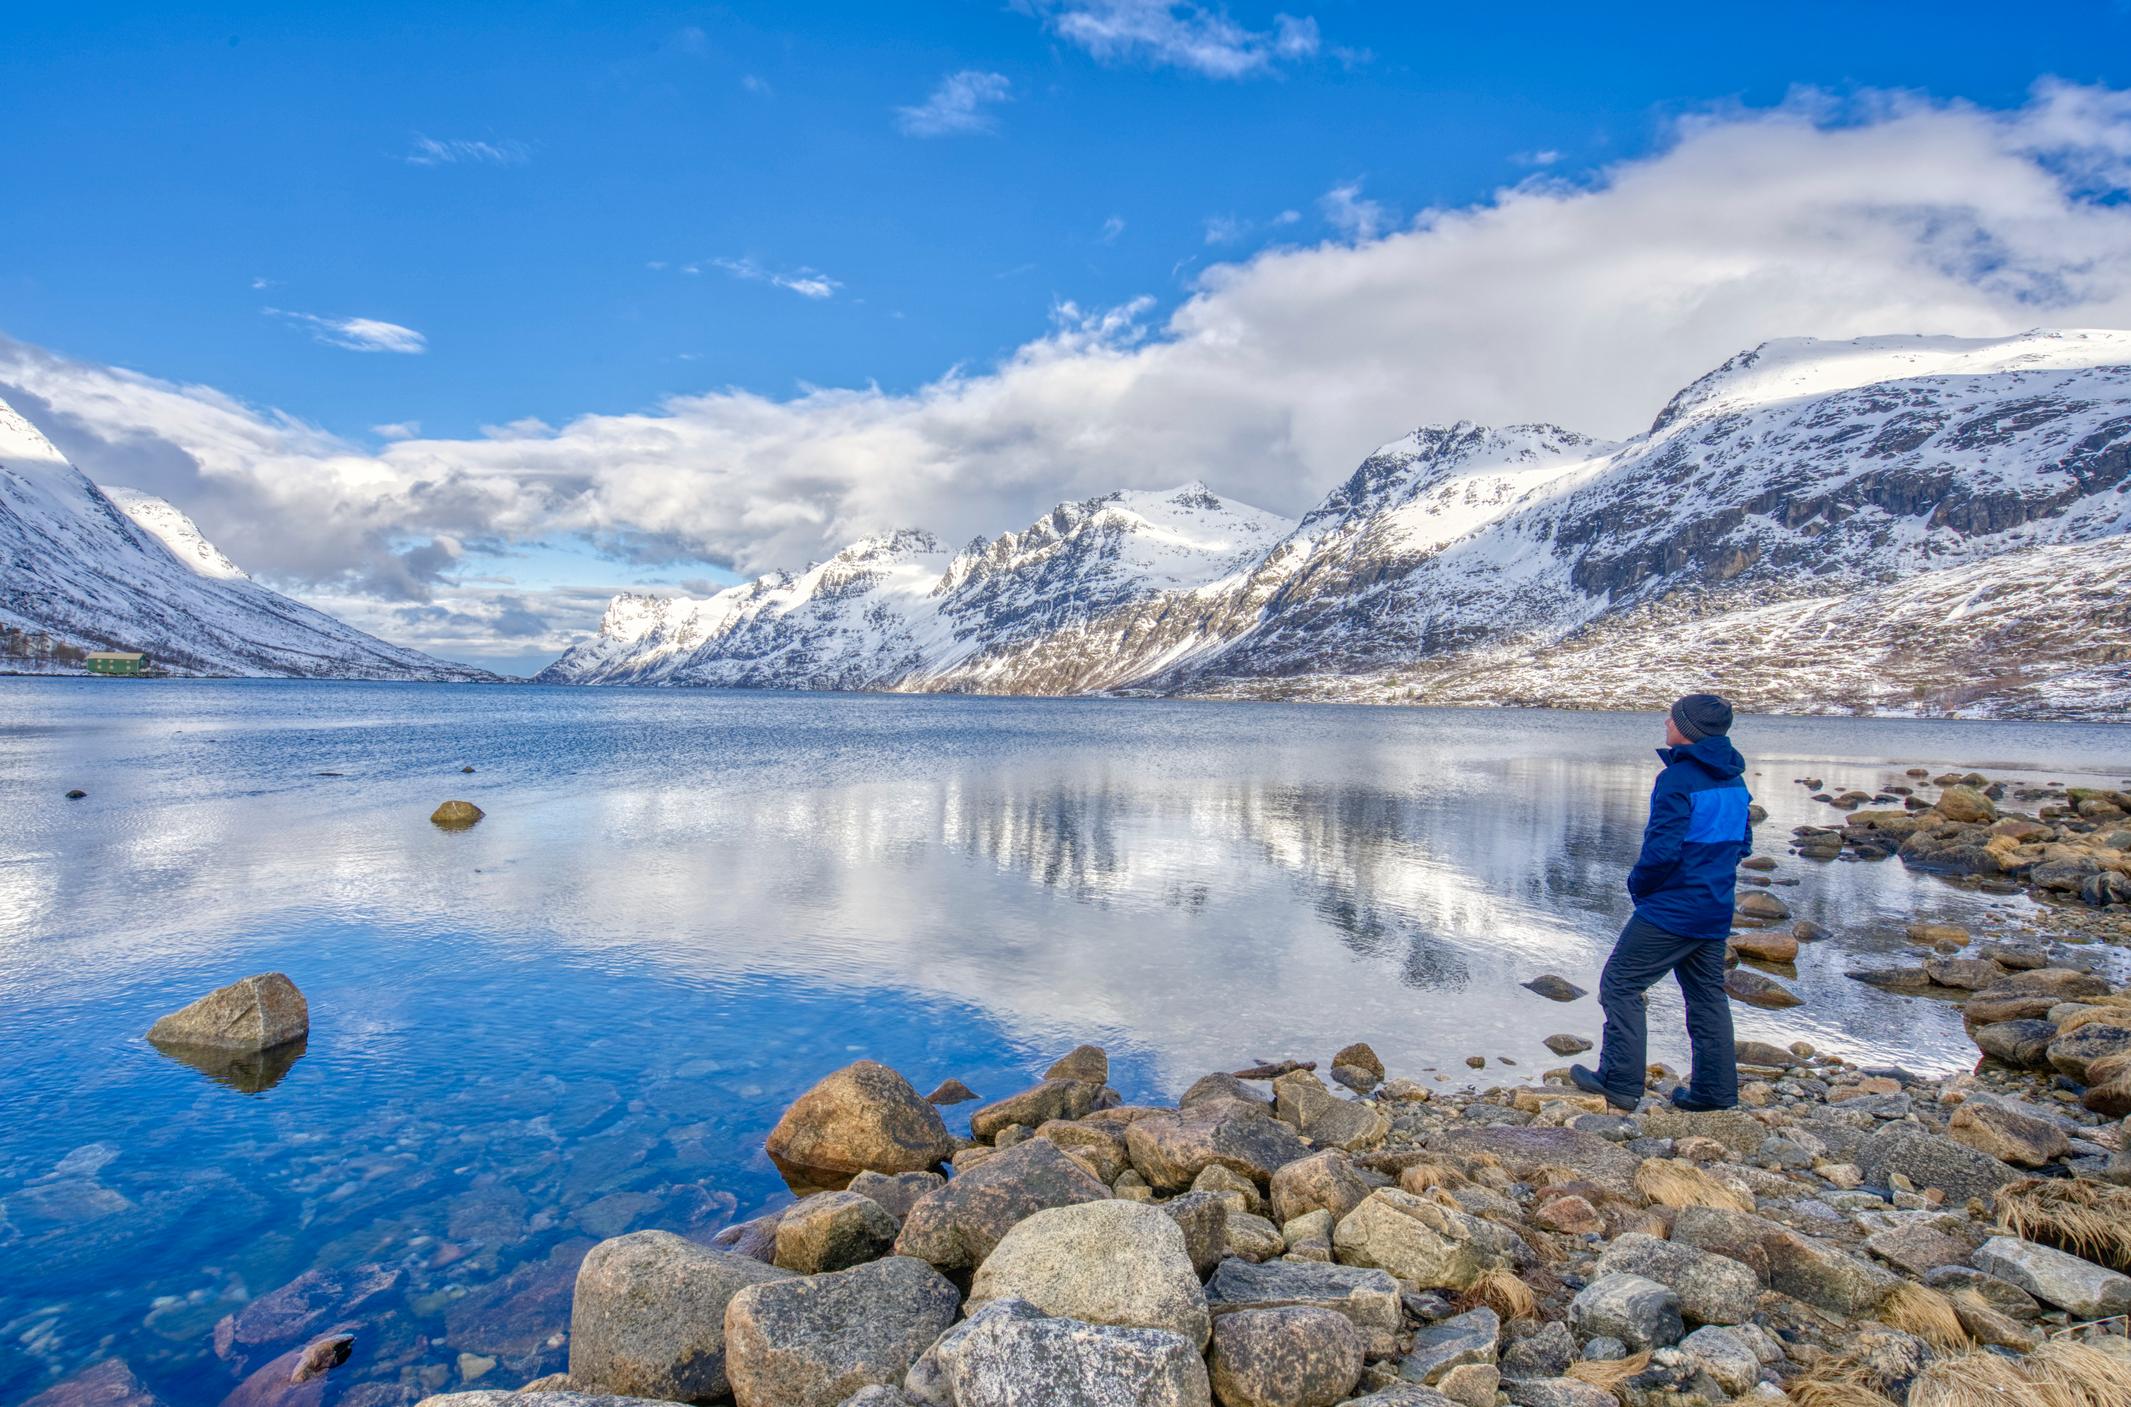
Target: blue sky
401	220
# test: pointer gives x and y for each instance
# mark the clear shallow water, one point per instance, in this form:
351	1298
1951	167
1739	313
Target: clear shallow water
581	1016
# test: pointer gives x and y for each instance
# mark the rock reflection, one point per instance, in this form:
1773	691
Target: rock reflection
247	1072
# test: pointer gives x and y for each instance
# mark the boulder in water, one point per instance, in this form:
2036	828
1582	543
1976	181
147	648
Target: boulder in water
1554	988
862	1118
255	1014
456	815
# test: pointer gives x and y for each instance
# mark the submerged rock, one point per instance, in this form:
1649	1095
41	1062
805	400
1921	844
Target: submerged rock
255	1014
1553	988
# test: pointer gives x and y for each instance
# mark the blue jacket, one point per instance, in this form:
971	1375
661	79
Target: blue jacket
1699	831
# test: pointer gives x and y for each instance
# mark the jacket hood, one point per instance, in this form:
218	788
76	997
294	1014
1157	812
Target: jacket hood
1713	754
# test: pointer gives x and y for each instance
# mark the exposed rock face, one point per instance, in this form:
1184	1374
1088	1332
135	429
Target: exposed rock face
1421	1241
812	1341
1169	1150
2080	1287
833	1231
1105	1262
648	1316
1368	1298
862	1118
1010	1355
1292	1357
957	1226
255	1014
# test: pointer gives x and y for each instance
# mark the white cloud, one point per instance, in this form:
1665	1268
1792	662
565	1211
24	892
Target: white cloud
958	105
357	334
1347	210
397	430
1174	34
1584	304
756	84
1225	229
807	283
429	151
1112	228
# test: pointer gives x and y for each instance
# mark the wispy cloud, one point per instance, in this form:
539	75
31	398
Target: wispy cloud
807	283
397	430
357	334
1354	215
1234	229
958	105
1112	228
455	151
1176	34
1536	158
756	84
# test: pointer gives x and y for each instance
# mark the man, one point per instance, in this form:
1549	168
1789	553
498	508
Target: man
1683	883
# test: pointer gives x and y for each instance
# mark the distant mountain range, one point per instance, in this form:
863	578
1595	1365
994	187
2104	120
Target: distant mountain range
1887	524
86	568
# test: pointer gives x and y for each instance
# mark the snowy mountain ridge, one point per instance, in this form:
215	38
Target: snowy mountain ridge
90	568
1760	537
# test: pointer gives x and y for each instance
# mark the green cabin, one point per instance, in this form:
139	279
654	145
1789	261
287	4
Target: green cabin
117	662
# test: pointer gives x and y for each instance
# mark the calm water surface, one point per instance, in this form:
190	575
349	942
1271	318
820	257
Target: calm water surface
581	1016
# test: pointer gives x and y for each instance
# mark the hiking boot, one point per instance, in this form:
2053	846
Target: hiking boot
1681	1099
1589	1083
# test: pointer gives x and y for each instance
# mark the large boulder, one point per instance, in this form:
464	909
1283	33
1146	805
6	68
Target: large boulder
1009	1354
255	1014
2024	1043
1640	1313
812	1341
2075	1051
1449	1344
1930	1160
2008	1133
896	1193
956	1226
1110	1262
1301	1100
1422	1241
1368	1298
1328	1181
862	1118
1713	1289
1053	1099
1824	1275
832	1231
1169	1150
1289	1357
1090	1064
648	1316
2079	1287
1965	804
1203	1218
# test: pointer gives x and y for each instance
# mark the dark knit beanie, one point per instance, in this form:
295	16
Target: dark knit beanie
1700	715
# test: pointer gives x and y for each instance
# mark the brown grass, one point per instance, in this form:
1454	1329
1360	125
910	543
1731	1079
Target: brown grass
2087	1015
1923	1311
2072	1374
1504	1293
2089	1219
1421	1177
1609	1374
1838	1382
1552	1175
1972	1380
1668	1182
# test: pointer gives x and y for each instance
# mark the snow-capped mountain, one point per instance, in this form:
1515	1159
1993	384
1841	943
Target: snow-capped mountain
118	569
1886	523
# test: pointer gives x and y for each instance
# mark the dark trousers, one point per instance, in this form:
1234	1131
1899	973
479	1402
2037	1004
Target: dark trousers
1643	954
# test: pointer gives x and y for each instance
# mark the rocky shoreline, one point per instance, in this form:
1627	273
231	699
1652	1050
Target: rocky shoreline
1292	1234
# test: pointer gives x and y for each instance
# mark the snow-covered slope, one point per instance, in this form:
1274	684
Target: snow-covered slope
1886	523
125	570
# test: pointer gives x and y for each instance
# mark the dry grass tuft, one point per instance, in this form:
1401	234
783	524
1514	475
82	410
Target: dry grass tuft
2089	1219
1930	1315
1837	1383
1668	1182
1609	1374
1972	1380
2068	1373
1504	1293
2111	1015
1552	1175
1421	1177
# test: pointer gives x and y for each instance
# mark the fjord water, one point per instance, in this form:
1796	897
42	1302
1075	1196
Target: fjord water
582	1015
